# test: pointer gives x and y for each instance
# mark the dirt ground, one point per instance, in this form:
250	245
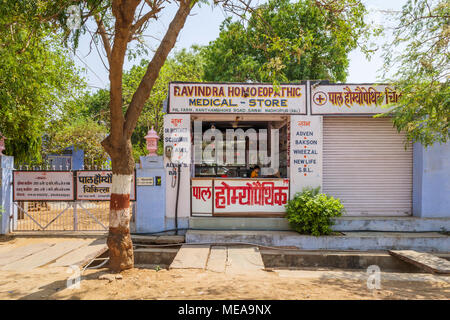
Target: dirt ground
147	283
50	283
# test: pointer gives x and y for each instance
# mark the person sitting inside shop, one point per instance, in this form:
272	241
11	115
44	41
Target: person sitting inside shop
255	172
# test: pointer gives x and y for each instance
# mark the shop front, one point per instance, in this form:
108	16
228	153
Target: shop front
243	150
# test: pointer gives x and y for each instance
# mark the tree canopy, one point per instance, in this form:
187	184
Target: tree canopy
184	65
420	55
38	81
288	41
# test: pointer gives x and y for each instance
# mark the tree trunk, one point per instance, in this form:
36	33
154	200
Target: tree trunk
118	143
119	239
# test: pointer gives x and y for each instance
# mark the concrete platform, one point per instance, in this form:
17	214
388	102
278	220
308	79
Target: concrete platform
361	241
217	259
244	260
45	256
384	224
25	255
191	257
82	255
425	261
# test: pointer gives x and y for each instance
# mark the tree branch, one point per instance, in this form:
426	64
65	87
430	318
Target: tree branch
102	31
123	11
147	82
155	9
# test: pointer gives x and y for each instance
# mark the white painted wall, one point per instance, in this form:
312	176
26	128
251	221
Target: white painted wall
178	125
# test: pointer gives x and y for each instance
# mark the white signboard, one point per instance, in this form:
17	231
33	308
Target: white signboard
145	181
268	196
177	137
352	99
43	186
96	185
305	152
237	98
202	195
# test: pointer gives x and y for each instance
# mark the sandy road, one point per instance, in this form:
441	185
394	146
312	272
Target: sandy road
51	283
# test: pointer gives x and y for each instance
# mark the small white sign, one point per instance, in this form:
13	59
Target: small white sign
43	186
145	181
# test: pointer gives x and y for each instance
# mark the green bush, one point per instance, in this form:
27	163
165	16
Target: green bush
310	212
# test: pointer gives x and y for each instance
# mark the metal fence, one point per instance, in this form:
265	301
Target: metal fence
62	215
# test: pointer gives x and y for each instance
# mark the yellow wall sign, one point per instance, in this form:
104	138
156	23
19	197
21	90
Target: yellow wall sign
236	98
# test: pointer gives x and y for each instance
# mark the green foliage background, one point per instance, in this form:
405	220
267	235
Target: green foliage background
288	41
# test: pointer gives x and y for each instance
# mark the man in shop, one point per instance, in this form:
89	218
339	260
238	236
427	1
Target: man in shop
255	172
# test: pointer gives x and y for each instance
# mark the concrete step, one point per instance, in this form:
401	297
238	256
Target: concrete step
362	241
333	259
237	223
191	257
392	224
158	256
425	261
388	224
244	260
217	260
157	239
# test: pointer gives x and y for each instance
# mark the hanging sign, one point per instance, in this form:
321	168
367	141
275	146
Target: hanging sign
236	98
96	185
352	99
43	186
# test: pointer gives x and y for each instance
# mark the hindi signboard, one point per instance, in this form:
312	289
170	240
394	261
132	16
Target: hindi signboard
43	186
202	196
237	98
96	185
252	196
352	99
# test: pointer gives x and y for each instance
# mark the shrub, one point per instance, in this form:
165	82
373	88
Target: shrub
311	212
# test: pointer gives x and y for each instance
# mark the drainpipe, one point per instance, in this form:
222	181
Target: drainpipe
176	200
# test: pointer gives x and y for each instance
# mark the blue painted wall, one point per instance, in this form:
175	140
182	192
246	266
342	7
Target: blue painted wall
70	161
6	203
431	181
77	159
150	206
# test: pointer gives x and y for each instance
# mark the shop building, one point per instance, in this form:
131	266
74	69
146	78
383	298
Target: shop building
301	135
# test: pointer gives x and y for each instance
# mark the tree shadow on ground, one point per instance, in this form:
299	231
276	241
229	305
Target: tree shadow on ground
389	289
48	291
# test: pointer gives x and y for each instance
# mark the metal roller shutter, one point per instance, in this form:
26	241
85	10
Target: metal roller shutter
365	164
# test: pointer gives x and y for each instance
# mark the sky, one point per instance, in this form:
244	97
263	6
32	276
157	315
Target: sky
203	26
